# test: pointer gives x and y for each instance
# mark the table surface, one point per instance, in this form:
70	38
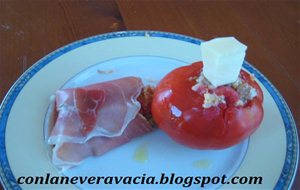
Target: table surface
31	29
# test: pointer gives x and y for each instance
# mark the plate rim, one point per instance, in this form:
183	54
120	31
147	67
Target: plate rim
288	172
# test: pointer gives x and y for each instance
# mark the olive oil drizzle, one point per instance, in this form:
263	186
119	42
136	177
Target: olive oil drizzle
202	164
141	153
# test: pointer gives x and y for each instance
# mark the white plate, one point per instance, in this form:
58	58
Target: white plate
272	151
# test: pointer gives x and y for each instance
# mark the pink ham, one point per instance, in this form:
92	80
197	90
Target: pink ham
71	154
92	120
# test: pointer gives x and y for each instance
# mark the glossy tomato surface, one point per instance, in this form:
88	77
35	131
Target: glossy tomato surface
178	110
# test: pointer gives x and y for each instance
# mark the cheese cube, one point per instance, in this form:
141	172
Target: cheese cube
222	59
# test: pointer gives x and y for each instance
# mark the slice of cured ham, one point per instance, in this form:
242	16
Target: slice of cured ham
92	120
67	154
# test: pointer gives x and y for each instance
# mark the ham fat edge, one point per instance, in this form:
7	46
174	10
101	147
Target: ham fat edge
92	120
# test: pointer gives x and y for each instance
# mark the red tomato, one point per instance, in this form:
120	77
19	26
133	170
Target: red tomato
178	110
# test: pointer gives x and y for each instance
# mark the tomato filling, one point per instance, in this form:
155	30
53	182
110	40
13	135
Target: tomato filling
237	93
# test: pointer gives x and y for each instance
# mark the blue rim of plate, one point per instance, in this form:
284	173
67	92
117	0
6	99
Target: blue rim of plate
291	159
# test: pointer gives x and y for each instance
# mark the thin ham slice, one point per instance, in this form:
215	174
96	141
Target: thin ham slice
71	154
93	119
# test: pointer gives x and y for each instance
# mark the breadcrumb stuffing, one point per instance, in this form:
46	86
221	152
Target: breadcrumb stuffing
252	77
237	83
239	103
246	92
200	81
211	100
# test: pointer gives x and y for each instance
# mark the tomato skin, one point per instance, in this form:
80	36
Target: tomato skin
178	111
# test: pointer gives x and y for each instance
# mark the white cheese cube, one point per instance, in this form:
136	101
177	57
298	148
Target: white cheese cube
222	59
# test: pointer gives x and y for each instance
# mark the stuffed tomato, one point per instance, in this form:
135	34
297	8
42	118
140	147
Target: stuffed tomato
196	114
